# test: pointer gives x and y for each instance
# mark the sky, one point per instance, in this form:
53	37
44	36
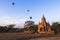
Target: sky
17	14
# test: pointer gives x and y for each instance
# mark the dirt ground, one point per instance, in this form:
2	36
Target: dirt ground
27	36
47	38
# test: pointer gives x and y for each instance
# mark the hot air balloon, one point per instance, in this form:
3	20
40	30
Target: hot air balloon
13	3
30	17
28	10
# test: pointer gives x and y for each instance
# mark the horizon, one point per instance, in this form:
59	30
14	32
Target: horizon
18	14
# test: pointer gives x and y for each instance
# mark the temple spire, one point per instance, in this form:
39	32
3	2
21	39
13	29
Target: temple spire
43	20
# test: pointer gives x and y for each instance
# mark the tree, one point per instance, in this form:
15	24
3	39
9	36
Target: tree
10	27
56	27
31	26
28	24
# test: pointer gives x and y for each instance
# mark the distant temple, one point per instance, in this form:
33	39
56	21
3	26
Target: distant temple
44	27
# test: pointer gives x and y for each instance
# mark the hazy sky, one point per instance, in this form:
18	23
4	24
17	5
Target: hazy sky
18	14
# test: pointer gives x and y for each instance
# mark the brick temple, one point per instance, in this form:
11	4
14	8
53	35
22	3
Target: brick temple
44	27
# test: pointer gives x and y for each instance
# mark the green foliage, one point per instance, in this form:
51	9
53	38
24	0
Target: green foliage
9	28
11	25
28	24
33	27
56	27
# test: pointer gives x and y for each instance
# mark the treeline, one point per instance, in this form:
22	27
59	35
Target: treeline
29	25
10	28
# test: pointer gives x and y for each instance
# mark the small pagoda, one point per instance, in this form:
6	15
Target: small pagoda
44	27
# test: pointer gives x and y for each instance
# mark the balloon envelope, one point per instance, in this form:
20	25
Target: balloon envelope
13	3
28	10
30	17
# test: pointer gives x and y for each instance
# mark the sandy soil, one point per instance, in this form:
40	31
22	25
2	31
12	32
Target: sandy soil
47	38
27	36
